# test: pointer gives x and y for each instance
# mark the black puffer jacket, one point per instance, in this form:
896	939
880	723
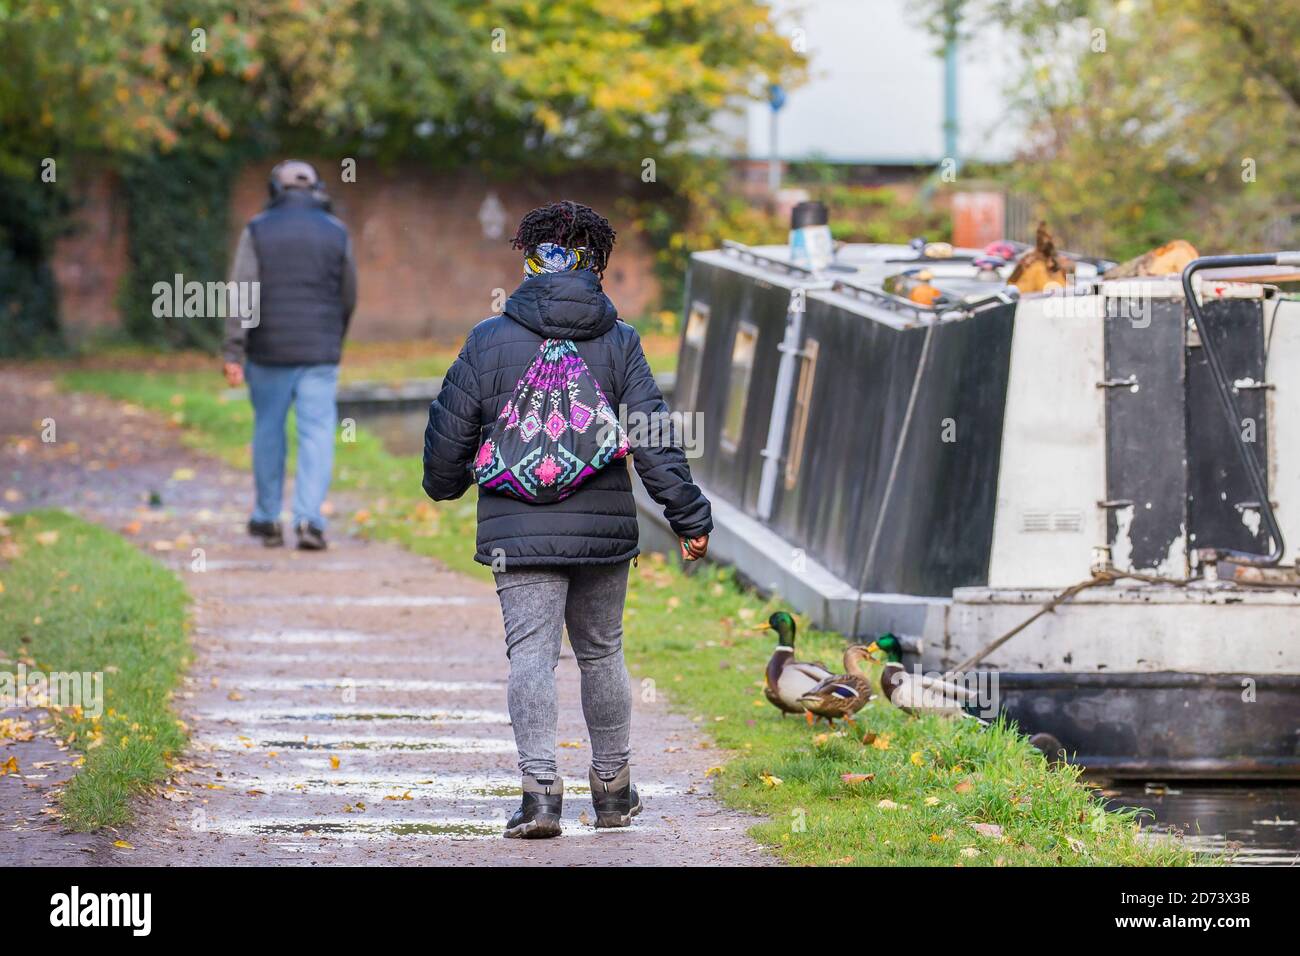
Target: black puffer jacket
597	524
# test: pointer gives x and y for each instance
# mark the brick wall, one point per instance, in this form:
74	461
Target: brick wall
426	268
89	261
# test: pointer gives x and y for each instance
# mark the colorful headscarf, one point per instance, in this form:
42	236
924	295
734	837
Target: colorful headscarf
549	257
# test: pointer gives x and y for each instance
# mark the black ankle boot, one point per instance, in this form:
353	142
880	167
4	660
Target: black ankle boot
616	801
270	532
310	537
538	816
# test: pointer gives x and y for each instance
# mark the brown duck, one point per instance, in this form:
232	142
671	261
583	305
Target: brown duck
840	696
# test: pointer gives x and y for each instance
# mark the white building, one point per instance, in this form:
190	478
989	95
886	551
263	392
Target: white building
875	90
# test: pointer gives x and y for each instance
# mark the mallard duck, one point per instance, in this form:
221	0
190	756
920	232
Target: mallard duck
787	679
841	695
888	645
919	695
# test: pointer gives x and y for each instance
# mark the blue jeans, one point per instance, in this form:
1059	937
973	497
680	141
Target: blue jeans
310	389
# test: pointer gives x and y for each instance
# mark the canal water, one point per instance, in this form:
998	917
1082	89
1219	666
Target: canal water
1247	824
1250	824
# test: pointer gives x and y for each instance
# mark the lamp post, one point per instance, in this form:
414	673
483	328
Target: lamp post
952	17
776	100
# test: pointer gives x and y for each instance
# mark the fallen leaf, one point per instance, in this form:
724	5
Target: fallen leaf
881	742
713	772
857	777
969	851
47	538
183	474
122	845
964	787
234	695
887	805
918	759
11	728
334	763
991	830
9	766
931	801
770	781
571	744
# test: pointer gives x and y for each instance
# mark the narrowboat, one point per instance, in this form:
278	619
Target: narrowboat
1089	498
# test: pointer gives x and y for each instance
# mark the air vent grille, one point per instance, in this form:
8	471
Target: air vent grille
1038	520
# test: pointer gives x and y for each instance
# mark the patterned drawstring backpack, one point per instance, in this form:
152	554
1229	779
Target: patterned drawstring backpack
556	431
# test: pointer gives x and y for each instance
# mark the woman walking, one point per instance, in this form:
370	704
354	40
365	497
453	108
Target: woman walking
530	410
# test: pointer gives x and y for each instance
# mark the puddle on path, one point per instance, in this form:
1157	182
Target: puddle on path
423	785
286	684
367	747
310	636
338	664
353	828
271	564
376	600
327	714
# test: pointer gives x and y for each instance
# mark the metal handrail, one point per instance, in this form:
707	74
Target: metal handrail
1258	481
922	312
747	253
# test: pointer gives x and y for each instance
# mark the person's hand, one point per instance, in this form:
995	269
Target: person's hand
234	374
694	548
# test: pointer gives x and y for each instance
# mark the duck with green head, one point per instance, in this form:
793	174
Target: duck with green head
918	694
888	645
786	679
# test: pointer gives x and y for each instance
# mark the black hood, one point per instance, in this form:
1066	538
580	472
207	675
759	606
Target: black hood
563	305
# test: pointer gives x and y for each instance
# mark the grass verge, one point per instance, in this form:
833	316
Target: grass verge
78	599
923	792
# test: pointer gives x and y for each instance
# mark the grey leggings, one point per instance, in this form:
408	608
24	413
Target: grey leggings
536	604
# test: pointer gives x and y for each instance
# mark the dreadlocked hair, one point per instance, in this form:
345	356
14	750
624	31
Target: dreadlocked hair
569	224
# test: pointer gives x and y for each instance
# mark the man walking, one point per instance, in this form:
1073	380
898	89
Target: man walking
299	257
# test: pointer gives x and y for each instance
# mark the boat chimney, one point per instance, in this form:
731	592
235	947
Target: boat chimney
810	236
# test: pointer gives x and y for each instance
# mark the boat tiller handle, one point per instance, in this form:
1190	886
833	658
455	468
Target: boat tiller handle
1258	481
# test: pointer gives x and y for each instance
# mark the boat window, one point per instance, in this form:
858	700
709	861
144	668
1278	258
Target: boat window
742	365
688	372
802	409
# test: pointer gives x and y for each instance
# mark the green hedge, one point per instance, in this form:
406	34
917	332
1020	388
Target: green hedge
178	217
30	215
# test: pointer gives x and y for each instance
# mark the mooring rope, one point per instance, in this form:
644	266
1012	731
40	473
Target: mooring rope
1098	577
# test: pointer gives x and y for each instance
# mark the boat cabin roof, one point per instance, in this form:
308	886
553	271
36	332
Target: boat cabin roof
863	278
